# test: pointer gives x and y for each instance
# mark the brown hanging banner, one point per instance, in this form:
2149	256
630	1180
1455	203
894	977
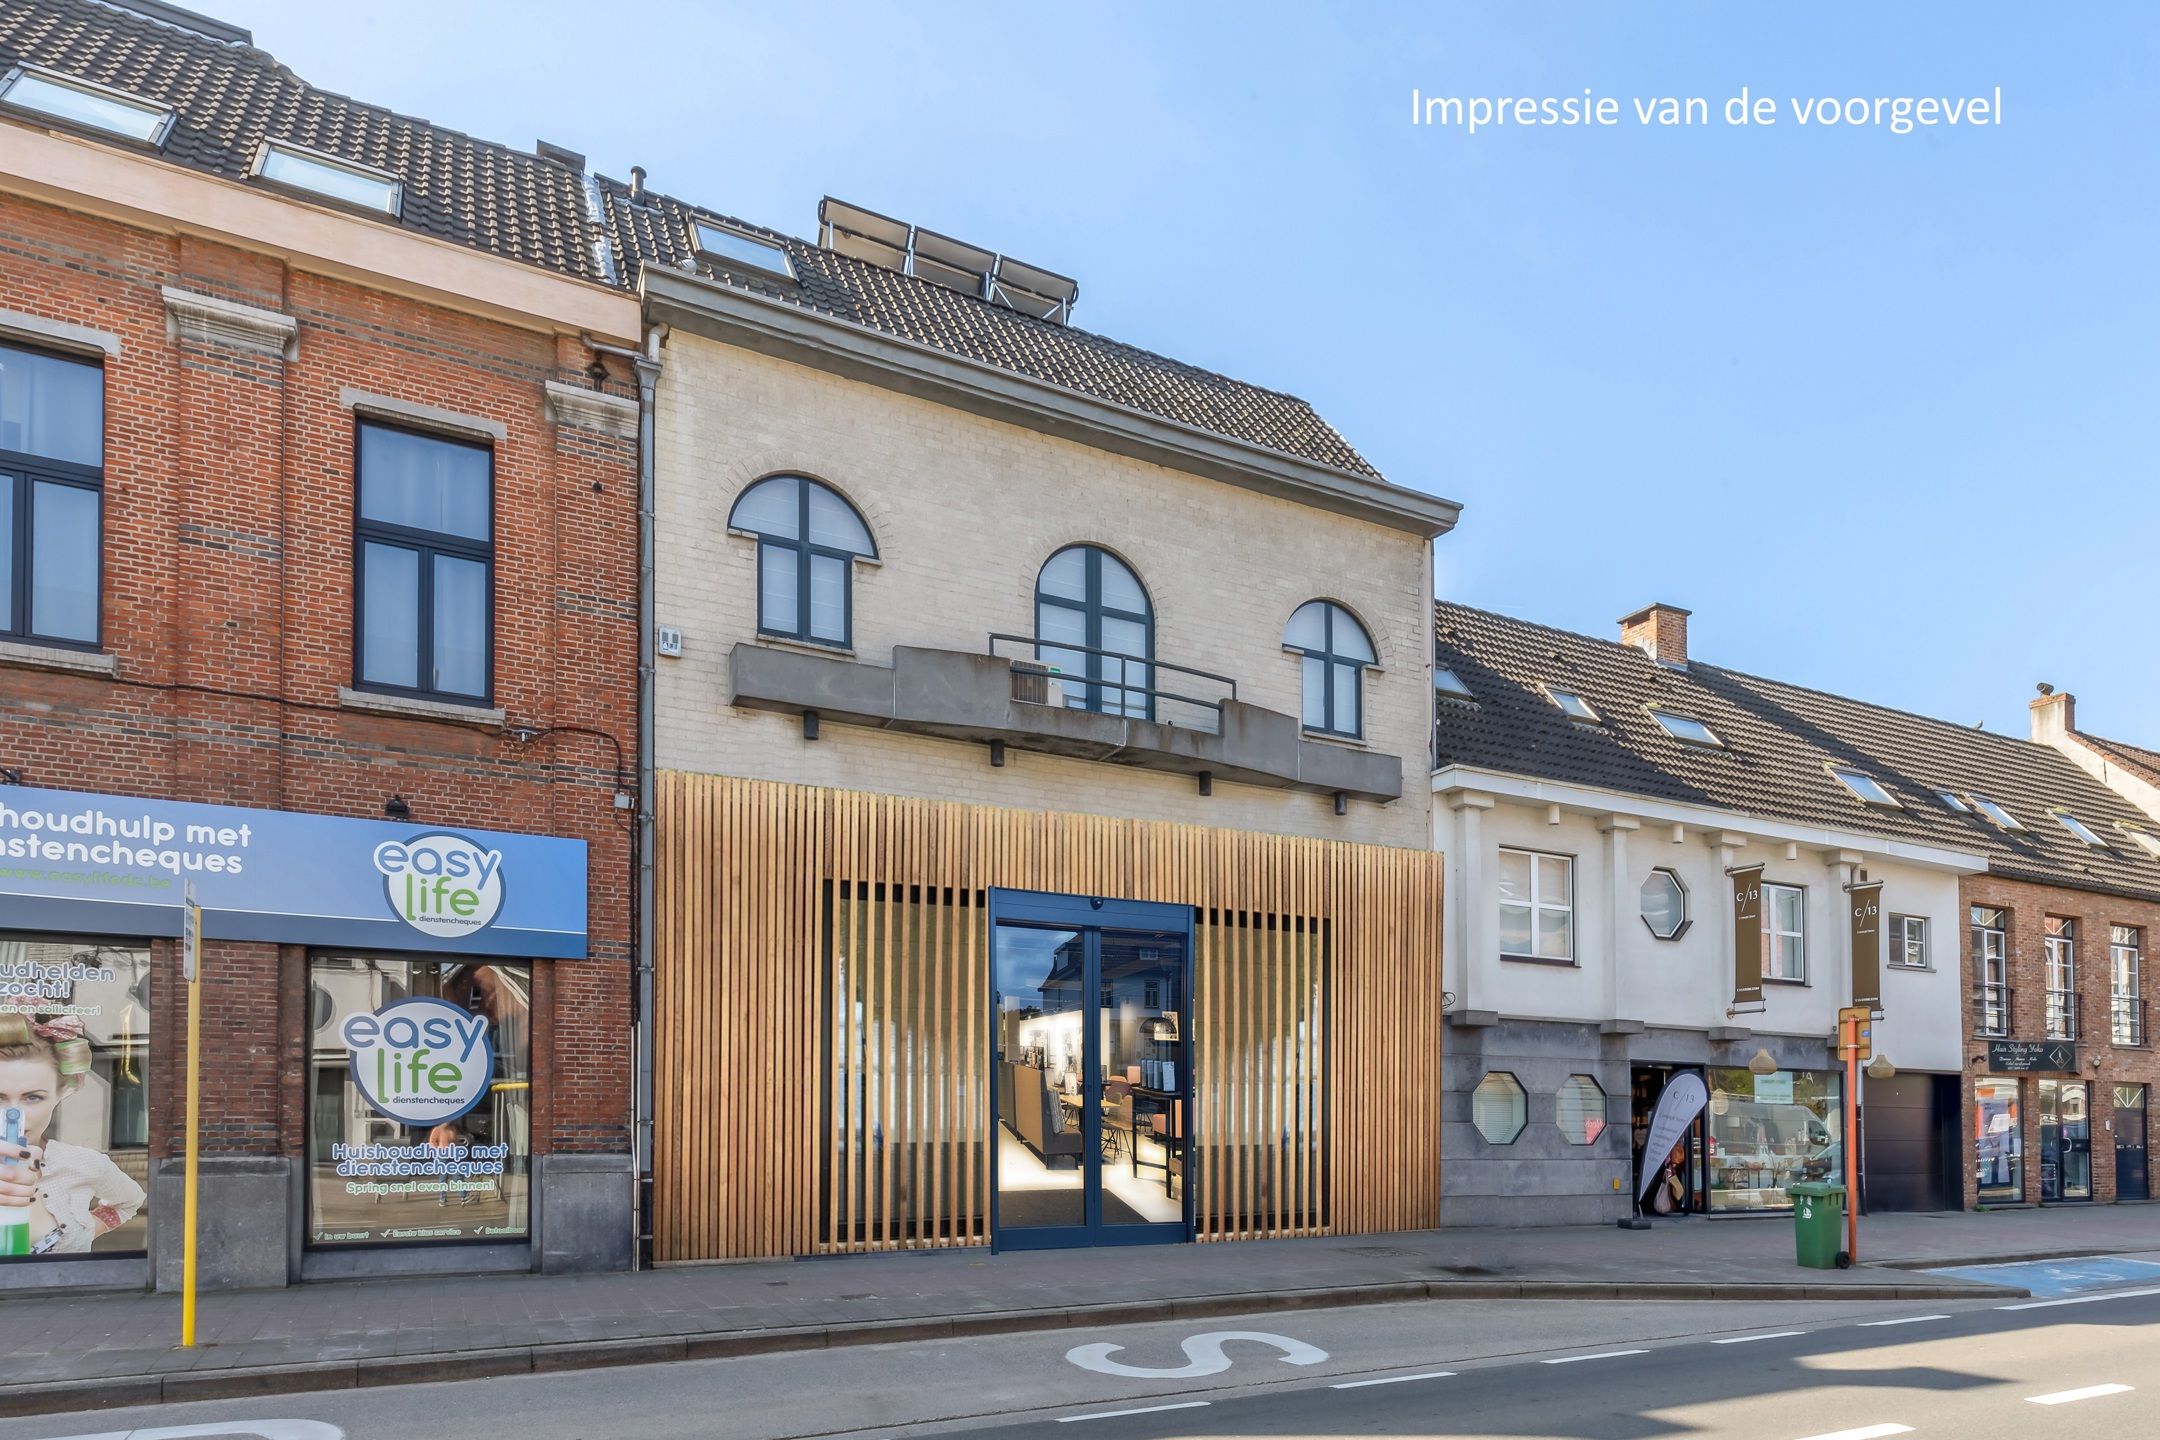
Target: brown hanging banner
1865	904
1747	934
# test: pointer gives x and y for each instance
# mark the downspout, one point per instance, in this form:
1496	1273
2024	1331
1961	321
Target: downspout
647	365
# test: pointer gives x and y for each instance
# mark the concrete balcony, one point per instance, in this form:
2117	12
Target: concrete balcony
962	695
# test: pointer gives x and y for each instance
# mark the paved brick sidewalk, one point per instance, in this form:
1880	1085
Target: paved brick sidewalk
92	1337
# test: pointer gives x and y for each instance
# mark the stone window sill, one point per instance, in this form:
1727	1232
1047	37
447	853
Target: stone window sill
804	647
412	708
57	657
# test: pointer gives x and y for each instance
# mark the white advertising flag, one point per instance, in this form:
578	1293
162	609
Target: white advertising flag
1684	1098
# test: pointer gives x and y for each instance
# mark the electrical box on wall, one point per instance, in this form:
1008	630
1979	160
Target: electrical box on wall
670	642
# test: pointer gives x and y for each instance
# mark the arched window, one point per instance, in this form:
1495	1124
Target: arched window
809	539
1336	651
1088	597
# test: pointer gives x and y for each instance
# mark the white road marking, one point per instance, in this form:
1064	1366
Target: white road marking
1601	1355
1744	1339
1143	1410
2064	1397
1391	1380
1865	1432
1203	1355
2082	1299
1907	1320
225	1430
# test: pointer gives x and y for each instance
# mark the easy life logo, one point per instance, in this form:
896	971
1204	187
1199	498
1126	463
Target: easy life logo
441	884
420	1061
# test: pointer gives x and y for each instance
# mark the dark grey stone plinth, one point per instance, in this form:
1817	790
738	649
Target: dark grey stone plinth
245	1208
586	1212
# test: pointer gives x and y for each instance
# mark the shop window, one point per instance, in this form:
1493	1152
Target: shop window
420	1102
1579	1108
1664	904
1537	907
2065	1140
74	1068
1769	1131
1499	1108
1998	1142
809	539
52	480
1785	933
1335	652
425	593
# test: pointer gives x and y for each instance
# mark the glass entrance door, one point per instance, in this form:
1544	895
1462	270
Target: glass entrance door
2065	1140
1091	1043
2133	1181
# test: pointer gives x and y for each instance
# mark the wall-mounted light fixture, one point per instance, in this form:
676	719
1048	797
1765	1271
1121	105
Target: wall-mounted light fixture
1763	1063
396	808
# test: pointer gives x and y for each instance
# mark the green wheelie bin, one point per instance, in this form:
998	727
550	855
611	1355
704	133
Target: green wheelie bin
1818	1209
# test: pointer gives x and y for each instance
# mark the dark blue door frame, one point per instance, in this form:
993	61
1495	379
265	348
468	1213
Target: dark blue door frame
1091	915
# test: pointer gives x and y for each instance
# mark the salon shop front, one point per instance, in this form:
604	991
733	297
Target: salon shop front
372	992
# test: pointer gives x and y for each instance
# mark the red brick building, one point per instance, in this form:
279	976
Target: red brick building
318	497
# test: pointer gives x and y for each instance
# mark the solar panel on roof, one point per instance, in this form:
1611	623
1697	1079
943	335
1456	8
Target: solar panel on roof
864	234
955	264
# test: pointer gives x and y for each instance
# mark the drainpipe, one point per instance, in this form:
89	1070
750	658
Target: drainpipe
647	365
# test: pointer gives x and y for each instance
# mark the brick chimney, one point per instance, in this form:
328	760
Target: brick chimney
1659	631
2054	715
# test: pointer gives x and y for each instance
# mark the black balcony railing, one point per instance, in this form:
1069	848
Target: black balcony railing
2126	1015
2065	1015
1993	1012
1122	683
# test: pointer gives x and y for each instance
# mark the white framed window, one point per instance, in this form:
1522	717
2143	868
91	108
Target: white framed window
1447	682
2126	984
1952	803
1909	942
2144	839
2002	818
1664	904
2059	940
738	247
298	168
1573	705
1687	729
2080	829
1784	918
1866	786
75	101
1537	907
1991	968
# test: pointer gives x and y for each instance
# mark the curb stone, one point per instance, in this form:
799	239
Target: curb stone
242	1382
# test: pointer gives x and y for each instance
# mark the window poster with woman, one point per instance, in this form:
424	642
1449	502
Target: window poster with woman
419	1111
74	1098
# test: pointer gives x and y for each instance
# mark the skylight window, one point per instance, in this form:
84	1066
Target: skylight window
2002	818
296	166
1952	803
1575	707
1447	682
750	251
2146	840
1688	729
1866	786
2080	829
78	102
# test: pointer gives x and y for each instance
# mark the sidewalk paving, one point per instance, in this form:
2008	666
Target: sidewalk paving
80	1350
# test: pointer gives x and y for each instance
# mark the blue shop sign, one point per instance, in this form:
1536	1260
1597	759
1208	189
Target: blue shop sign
113	864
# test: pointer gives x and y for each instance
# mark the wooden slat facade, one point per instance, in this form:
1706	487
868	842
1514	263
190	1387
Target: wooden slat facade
822	1061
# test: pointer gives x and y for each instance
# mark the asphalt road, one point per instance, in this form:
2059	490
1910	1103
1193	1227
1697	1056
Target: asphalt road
1973	1370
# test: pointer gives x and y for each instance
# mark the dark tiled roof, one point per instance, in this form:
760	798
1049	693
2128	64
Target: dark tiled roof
227	97
657	230
1781	739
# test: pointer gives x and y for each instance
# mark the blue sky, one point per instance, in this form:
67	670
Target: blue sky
1881	410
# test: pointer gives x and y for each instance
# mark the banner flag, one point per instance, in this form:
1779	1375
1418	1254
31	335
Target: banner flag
1747	934
1866	907
1684	1098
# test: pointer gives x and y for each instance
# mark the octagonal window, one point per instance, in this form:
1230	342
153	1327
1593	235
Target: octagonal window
1579	1110
1499	1108
1664	904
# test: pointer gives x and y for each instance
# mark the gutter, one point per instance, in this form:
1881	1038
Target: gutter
789	331
647	365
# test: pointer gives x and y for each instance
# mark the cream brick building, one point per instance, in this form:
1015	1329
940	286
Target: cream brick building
977	625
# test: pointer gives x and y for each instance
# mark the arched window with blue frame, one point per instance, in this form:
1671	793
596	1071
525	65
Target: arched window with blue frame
1087	597
1335	652
809	539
